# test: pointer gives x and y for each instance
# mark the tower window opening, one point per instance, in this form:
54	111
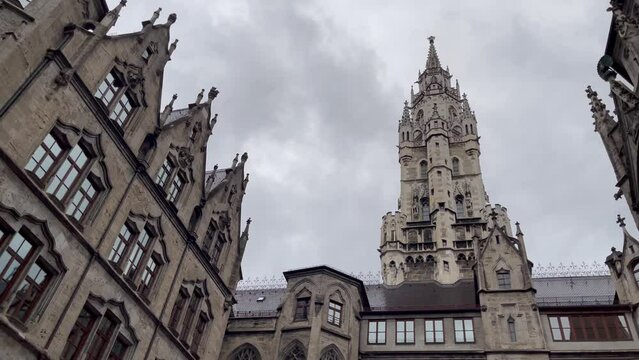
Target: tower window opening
467	132
455	166
459	202
503	279
512	330
425	209
423	169
635	271
472	131
446	266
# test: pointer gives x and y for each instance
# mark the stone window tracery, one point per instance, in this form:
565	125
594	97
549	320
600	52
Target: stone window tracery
331	353
295	351
459	205
70	169
635	272
245	352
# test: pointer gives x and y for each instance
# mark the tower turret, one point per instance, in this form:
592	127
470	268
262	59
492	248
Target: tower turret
442	196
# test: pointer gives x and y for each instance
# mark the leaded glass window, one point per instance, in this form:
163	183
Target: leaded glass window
44	157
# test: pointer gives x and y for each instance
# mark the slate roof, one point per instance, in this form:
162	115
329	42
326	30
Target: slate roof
560	291
582	290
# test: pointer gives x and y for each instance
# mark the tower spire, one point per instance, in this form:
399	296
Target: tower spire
433	60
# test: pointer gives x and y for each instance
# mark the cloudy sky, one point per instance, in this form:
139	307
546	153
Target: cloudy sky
313	90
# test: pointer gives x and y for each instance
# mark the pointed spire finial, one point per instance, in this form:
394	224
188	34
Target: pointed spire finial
598	109
405	113
155	16
171	20
433	60
213	120
172	47
213	93
235	160
199	97
518	229
167	109
621	221
244	157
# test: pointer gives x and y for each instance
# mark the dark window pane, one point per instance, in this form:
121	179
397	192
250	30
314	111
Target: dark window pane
119	349
101	338
78	335
12	260
29	292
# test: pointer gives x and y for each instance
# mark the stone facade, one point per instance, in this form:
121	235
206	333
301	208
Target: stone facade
114	239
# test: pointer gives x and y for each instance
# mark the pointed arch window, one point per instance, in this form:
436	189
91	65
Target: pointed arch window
331	353
503	279
295	351
425	208
459	205
455	166
245	352
72	175
113	95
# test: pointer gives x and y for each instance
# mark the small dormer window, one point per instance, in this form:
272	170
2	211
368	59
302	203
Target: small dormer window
146	55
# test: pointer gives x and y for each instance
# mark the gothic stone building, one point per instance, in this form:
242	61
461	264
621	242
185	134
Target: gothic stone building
115	242
456	280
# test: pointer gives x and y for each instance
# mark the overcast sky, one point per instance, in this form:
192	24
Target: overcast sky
313	91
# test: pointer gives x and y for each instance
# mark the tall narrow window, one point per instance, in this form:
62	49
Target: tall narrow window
72	167
512	331
13	260
80	202
377	331
210	236
79	335
165	172
459	203
199	332
423	169
123	240
405	332
464	332
334	313
141	245
148	276
503	279
217	250
455	166
112	93
119	350
191	311
146	55
425	208
635	271
176	313
29	292
101	338
108	89
301	309
175	189
46	155
434	331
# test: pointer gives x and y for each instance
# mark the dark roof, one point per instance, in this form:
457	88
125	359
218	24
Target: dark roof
425	296
422	296
582	290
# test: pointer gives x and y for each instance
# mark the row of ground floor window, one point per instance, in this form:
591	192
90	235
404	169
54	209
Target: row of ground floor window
600	327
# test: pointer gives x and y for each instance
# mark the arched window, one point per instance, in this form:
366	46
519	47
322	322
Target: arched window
635	271
245	352
425	208
467	132
409	260
420	116
331	353
430	259
461	257
455	166
295	351
512	331
459	203
423	169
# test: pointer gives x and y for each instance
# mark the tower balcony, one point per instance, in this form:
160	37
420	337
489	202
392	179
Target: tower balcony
412	247
463	244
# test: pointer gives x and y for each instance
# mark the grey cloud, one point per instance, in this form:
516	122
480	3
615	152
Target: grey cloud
313	91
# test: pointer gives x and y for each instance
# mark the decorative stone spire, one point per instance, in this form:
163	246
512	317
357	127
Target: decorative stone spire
213	121
235	160
171	20
110	18
244	157
211	178
405	114
245	181
598	108
519	232
627	97
155	16
212	94
465	104
199	97
433	60
172	47
167	109
621	221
